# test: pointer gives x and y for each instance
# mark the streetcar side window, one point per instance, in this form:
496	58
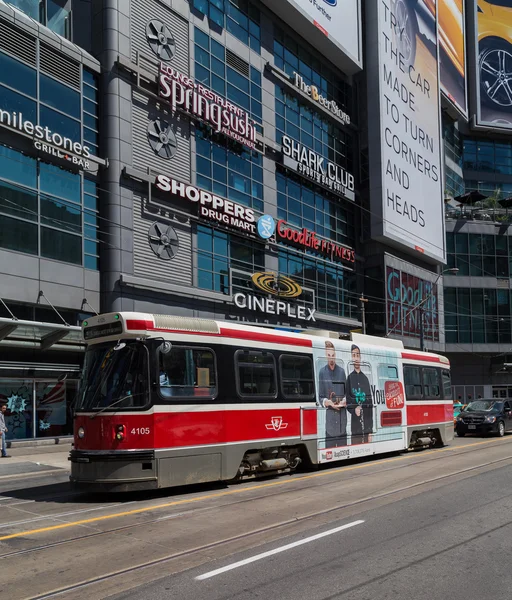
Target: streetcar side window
447	384
413	385
185	372
256	374
431	382
296	377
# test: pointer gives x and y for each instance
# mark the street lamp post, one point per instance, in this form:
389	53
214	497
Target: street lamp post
454	271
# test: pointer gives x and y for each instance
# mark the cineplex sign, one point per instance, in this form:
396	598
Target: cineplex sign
210	206
193	98
317	168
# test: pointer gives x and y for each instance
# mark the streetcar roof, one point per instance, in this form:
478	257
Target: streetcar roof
149	324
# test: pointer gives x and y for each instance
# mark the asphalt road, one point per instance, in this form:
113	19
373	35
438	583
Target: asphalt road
431	524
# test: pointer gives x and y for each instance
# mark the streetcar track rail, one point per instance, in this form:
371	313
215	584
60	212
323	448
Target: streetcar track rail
171	557
432	457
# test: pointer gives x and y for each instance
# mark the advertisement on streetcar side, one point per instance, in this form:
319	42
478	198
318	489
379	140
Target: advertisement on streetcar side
361	401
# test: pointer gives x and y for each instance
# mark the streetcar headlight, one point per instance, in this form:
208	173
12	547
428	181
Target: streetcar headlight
490	419
81	433
120	432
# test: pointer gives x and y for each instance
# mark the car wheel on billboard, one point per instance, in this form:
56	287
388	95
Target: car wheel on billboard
406	29
495	70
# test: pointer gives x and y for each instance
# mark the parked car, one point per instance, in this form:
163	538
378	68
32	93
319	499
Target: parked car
485	416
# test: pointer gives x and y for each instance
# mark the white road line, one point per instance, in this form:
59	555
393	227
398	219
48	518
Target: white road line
247	561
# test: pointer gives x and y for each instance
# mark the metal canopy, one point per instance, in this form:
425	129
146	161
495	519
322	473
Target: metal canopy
42	336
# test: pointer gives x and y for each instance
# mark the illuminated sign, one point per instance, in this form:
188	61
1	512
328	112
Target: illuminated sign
307	239
210	206
280	287
47	141
404	295
224	117
317	168
314	94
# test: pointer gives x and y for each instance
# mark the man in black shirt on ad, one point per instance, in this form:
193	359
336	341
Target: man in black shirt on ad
331	392
359	401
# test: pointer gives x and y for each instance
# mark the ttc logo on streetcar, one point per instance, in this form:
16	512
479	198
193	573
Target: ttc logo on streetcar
276	423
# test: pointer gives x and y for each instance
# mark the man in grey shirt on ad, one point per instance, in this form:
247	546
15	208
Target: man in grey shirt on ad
331	392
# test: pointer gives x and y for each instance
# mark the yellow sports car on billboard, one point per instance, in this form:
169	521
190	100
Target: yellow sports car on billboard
495	53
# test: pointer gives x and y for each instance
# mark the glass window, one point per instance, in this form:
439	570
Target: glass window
256	374
14	102
57	181
53	402
17	75
447	384
18	202
18	235
58	16
60	214
431	383
18	167
59	96
61	246
413	385
186	372
18	394
59	123
297	377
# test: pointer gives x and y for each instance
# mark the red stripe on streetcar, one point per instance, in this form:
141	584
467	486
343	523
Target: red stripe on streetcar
139	324
269	338
422	357
421	414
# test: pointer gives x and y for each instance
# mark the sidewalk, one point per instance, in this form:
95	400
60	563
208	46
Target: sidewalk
35	459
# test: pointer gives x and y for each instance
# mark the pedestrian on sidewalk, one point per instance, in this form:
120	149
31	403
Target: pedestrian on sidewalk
3	430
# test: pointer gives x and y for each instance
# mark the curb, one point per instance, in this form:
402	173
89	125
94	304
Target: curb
38	443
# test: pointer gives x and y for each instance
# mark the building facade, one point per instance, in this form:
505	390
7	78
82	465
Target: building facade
49	209
232	186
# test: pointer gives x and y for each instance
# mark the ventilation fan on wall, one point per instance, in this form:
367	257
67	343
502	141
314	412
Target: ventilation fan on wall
162	139
163	240
160	40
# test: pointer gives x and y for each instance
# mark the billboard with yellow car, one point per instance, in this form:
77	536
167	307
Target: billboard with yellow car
492	56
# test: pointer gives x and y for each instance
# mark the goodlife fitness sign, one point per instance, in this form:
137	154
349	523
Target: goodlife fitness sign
210	206
317	168
306	239
184	94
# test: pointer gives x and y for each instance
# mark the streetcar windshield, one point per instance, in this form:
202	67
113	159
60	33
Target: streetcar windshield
491	405
114	375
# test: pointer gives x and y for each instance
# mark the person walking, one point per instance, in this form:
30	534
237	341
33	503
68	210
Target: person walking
3	431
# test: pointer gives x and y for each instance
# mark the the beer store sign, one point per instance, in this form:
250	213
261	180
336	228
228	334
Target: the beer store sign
193	98
308	240
210	206
47	141
316	96
317	168
281	289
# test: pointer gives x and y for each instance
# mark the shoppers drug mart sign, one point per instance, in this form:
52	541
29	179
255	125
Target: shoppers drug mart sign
210	206
182	93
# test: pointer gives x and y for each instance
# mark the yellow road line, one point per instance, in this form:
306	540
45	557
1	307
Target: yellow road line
238	490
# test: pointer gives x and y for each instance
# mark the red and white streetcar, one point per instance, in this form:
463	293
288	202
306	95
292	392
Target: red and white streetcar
166	401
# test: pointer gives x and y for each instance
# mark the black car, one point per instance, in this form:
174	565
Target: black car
485	416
